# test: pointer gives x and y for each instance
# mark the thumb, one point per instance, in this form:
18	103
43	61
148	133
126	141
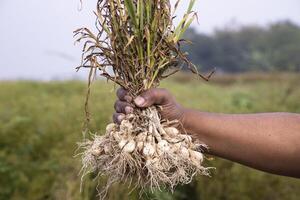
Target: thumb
152	97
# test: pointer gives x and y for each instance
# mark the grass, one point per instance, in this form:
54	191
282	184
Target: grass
40	124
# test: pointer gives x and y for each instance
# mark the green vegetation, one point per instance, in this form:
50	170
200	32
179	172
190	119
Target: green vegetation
40	124
249	48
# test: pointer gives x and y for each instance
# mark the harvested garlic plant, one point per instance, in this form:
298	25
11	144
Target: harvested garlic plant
155	157
136	46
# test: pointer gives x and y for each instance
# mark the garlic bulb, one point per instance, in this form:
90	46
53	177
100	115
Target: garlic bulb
172	132
141	137
110	128
130	146
187	138
116	136
148	150
96	152
122	143
163	146
140	146
107	149
184	152
196	157
126	125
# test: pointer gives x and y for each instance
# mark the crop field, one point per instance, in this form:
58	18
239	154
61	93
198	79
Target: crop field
40	124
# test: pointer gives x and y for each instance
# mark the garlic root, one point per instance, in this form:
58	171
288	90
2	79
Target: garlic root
157	154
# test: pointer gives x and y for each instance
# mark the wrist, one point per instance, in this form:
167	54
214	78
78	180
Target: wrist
195	124
187	121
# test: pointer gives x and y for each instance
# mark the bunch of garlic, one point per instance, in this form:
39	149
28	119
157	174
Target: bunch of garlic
155	153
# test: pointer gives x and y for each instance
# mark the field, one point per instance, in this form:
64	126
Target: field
40	124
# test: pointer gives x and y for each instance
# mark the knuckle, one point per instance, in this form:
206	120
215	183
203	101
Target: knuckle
118	118
164	92
121	92
153	93
120	106
165	95
116	104
161	95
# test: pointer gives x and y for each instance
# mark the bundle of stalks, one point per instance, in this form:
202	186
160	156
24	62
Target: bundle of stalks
137	46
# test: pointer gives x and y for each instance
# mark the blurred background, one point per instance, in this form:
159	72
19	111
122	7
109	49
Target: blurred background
254	45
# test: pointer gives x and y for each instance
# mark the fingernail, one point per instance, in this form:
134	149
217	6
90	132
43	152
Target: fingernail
128	109
139	101
121	117
128	98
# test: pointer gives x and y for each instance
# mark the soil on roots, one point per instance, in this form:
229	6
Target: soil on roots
145	152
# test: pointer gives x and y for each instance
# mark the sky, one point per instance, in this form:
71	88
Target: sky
36	39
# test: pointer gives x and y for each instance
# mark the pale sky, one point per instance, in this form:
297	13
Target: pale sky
36	35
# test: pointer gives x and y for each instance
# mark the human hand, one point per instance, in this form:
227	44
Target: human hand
170	109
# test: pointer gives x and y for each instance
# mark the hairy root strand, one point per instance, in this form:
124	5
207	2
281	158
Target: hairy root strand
144	152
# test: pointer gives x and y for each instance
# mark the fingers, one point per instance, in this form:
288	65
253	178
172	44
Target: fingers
118	117
122	94
146	99
152	97
123	107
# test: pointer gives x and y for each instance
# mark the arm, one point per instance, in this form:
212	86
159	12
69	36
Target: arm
268	142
